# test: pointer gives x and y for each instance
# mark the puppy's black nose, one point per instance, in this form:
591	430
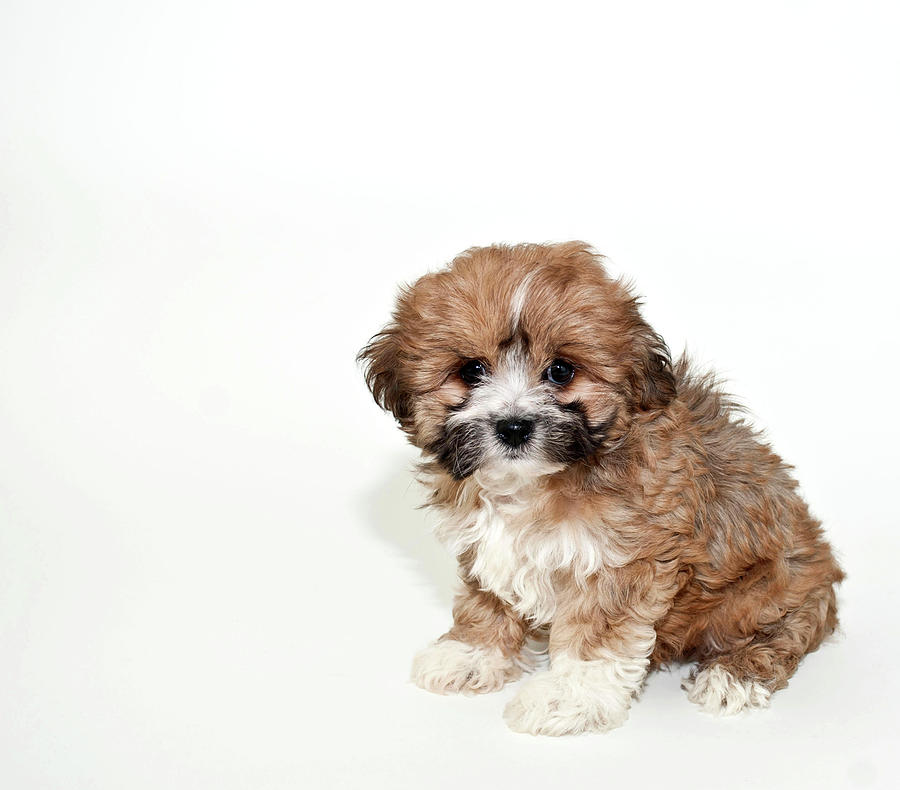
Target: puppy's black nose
514	431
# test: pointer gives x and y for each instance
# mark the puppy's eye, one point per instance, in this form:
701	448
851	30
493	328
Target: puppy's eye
560	372
473	371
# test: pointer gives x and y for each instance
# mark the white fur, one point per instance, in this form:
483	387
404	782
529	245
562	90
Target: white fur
515	558
517	303
717	691
577	696
451	666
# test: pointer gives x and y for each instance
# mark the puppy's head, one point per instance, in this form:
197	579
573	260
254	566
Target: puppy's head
522	359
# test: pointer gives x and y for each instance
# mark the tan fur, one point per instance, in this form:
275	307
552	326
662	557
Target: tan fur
705	550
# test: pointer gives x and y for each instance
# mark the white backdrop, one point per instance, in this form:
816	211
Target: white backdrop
212	571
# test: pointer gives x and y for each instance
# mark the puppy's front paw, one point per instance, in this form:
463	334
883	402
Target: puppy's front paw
450	666
568	700
719	692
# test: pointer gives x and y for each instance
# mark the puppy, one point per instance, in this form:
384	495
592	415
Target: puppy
595	493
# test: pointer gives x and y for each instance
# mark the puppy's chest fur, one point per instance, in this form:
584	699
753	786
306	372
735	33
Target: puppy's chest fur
522	558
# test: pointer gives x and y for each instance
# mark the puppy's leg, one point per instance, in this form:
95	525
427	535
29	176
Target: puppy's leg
584	692
479	653
746	677
600	645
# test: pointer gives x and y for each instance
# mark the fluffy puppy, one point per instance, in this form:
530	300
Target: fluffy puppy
593	493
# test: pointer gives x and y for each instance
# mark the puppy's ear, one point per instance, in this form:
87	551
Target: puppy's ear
652	380
382	365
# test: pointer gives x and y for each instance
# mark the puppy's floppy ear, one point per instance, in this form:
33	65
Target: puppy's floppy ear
382	364
652	380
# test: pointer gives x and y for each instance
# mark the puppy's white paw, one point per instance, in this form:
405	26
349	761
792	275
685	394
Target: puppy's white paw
573	697
450	666
717	691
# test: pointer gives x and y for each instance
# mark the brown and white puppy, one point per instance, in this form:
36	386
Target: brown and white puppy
591	489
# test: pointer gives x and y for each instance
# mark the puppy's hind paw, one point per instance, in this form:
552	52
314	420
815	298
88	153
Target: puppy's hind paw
449	666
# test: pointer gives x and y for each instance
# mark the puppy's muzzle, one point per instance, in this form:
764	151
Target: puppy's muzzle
515	431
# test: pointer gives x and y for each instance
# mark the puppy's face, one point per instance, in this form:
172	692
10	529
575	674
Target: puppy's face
522	359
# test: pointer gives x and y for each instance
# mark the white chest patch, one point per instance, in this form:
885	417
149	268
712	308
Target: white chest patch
519	560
